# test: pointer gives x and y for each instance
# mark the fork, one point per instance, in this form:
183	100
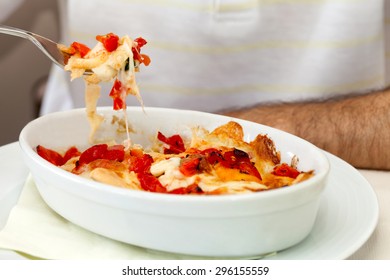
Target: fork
47	46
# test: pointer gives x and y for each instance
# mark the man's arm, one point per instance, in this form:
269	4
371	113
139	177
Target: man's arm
356	129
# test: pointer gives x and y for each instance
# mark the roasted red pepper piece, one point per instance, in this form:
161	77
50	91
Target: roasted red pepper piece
142	58
235	159
92	153
150	183
80	48
213	155
70	153
175	143
240	160
102	151
55	157
189	166
50	155
110	41
118	94
248	167
140	42
116	152
285	170
140	163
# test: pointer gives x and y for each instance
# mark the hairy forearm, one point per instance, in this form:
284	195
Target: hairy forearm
355	129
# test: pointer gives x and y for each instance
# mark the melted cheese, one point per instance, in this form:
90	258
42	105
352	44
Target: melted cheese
209	184
124	179
169	175
105	66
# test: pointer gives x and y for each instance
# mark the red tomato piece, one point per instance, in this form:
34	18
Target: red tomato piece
175	143
118	94
150	183
285	170
233	158
229	160
70	153
116	152
50	155
102	151
249	168
142	164
238	159
137	51
110	41
140	42
213	155
189	166
92	153
80	48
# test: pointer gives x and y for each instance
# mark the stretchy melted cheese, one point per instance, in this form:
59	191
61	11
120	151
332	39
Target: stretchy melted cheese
112	59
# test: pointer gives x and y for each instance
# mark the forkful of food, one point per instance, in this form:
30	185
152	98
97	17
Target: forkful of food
113	58
84	59
47	46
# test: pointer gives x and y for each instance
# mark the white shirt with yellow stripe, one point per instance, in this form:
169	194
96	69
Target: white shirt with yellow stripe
211	55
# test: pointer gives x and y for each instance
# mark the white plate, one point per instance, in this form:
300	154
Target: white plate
13	175
346	219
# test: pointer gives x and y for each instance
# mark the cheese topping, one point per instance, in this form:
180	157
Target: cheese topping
169	175
216	162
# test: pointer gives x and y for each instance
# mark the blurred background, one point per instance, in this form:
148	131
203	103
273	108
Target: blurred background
23	68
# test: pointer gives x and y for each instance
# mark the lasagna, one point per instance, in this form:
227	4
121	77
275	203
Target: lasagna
209	163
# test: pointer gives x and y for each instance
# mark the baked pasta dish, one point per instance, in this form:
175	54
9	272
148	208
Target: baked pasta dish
210	162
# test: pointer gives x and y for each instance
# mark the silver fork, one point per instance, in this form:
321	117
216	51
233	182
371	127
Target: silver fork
47	46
